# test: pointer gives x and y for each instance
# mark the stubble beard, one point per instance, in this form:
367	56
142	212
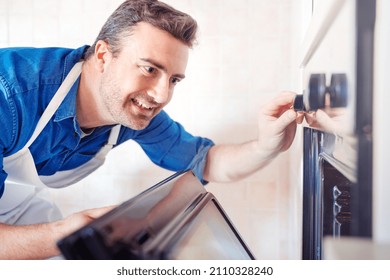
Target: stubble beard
119	110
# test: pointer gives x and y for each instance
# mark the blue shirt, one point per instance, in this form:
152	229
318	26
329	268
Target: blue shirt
29	78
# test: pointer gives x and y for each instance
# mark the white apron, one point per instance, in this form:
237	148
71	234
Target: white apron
26	199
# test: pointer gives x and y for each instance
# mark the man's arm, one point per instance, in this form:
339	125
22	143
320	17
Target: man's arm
277	126
39	241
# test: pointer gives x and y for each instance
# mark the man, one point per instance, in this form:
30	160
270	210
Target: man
62	110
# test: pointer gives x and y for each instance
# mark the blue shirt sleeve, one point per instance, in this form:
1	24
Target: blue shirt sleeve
170	146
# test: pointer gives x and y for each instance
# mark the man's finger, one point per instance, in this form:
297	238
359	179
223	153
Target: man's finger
282	102
285	120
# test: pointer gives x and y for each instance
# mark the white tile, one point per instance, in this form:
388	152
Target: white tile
3	28
236	81
3	7
20	30
45	8
20	7
46	31
263	237
67	31
233	18
233	52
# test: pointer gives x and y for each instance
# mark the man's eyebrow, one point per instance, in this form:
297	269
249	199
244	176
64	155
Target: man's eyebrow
161	67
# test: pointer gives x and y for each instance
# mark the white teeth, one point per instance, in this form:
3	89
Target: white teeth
139	103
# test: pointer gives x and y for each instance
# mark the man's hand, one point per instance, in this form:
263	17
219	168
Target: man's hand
277	124
39	241
78	220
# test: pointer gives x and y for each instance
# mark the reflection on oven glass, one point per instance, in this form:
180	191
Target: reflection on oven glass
343	145
209	238
328	119
326	104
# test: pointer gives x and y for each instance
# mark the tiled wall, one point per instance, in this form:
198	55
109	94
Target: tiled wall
244	57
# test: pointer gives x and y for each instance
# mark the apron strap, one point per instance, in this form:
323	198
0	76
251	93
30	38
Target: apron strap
56	101
112	140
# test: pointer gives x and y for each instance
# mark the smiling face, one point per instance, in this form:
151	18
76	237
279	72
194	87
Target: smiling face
136	84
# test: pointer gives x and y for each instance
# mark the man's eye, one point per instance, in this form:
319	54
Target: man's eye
149	69
175	80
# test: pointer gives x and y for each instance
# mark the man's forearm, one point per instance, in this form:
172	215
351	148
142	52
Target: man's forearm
228	163
28	242
277	125
39	241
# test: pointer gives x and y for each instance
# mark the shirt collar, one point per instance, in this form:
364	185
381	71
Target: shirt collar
67	109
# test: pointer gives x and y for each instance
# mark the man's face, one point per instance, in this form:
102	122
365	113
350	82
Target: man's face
139	82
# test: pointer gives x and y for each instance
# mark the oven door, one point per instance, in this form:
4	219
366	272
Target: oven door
337	63
176	219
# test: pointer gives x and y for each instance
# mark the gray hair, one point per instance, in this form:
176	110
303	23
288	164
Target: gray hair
180	25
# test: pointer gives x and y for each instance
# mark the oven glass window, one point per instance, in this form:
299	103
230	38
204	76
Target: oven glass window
209	237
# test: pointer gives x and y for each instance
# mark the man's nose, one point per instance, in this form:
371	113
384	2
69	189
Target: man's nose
160	91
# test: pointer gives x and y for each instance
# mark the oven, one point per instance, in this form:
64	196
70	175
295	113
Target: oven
337	96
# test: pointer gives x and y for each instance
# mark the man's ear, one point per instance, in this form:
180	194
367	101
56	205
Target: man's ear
102	54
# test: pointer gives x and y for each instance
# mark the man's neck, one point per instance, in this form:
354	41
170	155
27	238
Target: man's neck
86	103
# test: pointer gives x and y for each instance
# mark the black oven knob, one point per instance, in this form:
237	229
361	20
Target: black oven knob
315	96
338	90
299	106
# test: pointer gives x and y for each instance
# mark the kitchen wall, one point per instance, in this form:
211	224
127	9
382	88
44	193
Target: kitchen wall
244	57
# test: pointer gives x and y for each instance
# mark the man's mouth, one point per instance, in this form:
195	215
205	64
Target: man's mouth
142	104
